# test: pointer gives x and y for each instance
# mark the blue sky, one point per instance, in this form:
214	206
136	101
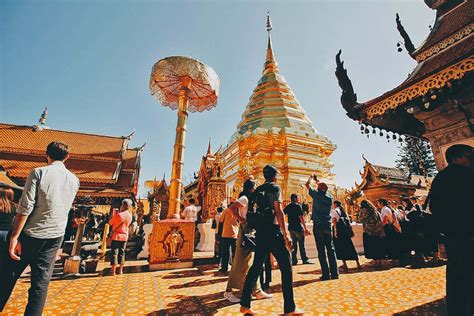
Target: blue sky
90	63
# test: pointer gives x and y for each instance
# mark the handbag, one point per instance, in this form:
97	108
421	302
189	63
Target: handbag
344	227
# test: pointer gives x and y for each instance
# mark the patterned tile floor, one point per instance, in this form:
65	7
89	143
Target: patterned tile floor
199	290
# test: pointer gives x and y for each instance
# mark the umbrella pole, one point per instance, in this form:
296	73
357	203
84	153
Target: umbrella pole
178	156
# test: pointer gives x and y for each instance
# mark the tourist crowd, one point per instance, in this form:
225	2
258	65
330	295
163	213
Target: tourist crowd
252	230
402	234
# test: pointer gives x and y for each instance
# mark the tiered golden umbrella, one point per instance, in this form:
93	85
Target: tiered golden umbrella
185	84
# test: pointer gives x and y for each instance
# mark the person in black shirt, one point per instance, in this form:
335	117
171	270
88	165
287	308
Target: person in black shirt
453	216
297	228
271	237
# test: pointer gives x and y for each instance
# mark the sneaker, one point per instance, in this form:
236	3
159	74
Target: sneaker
246	310
261	295
324	278
231	297
297	311
307	262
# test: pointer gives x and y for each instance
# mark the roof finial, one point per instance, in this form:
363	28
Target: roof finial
269	22
365	159
42	121
406	38
209	148
43	117
348	96
129	136
142	147
270	62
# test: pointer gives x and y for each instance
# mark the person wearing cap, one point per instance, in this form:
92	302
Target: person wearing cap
119	223
453	216
39	227
322	228
271	237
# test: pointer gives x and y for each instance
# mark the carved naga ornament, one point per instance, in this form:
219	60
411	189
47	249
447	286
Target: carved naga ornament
406	38
348	97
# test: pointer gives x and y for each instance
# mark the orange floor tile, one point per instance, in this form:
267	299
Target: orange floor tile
199	290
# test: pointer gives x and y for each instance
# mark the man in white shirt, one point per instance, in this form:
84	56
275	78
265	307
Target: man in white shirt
190	213
39	227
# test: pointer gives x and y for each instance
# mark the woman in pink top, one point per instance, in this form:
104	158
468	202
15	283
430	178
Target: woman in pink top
119	223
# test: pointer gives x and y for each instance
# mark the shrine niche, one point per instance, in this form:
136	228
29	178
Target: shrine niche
211	186
379	182
158	198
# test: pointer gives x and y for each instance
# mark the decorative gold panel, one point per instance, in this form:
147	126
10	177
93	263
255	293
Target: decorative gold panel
171	241
445	43
419	89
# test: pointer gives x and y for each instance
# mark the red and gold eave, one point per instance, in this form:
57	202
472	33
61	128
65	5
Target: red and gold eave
105	166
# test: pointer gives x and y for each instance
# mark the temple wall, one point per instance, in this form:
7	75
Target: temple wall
445	126
295	156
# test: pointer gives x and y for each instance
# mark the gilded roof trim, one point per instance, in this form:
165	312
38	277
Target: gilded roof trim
418	89
456	37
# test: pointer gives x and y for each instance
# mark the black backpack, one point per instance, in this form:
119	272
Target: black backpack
261	210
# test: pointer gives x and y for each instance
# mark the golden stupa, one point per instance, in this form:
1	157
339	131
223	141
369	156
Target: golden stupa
276	130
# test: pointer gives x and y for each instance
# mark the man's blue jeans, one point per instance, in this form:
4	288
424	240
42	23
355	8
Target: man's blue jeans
40	255
325	243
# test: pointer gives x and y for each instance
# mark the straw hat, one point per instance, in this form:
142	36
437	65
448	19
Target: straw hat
6	182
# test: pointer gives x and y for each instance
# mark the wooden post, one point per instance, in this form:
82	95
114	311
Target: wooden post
104	239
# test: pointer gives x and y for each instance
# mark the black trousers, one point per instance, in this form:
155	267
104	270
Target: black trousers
270	240
227	244
40	255
325	243
460	276
266	274
297	237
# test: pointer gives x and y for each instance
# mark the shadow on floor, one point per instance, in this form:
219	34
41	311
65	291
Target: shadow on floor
183	274
196	305
211	303
198	283
435	308
364	268
127	270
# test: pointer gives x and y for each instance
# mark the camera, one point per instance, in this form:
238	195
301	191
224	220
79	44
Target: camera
315	177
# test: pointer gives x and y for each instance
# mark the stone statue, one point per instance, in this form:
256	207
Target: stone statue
156	216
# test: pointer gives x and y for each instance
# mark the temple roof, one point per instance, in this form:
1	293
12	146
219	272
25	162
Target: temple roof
26	139
446	55
377	175
431	66
102	163
107	193
447	24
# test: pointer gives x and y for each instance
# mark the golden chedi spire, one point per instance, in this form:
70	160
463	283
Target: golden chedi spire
270	66
275	129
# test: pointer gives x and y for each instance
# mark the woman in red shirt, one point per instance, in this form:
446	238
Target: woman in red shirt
119	223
